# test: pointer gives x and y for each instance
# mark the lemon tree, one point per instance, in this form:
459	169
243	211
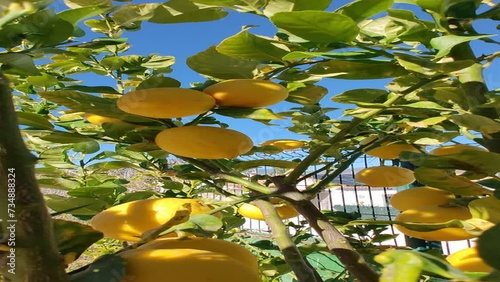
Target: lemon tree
53	136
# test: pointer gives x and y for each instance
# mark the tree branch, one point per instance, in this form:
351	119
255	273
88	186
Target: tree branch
290	252
27	226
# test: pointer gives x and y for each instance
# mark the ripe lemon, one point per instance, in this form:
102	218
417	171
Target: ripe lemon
420	196
468	260
435	214
283	209
234	250
99	120
388	151
284	144
385	176
128	221
190	265
454	149
168	102
204	142
247	93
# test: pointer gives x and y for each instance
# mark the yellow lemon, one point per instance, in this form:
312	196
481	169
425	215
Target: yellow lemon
168	102
190	265
234	250
128	221
435	214
284	144
420	196
99	120
284	210
468	260
247	93
204	142
385	176
454	149
389	151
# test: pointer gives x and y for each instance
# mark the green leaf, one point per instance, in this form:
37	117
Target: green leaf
493	13
488	247
320	5
73	16
365	95
451	95
492	183
126	15
470	160
65	138
206	222
96	192
487	208
74	4
397	262
429	137
220	3
400	266
364	9
111	165
158	82
58	183
180	11
428	67
44	80
74	237
135	196
276	6
108	267
92	89
88	147
117	130
157	62
82	102
350	55
308	95
50	31
144	147
249	46
214	64
317	26
477	123
442	179
406	26
88	206
270	163
359	69
445	43
33	120
251	113
460	9
21	62
422	105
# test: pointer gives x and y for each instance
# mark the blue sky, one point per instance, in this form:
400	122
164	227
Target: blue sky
186	39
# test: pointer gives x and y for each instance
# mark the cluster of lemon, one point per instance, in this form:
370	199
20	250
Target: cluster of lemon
170	257
431	205
204	142
426	204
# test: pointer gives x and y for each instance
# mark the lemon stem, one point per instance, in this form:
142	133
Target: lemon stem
299	265
26	225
